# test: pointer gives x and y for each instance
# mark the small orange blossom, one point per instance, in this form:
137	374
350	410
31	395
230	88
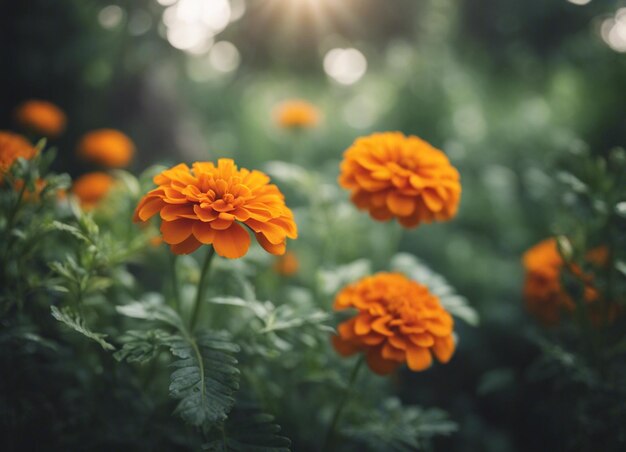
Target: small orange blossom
398	320
392	175
106	147
41	117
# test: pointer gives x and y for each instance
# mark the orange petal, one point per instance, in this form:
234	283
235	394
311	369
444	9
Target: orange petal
148	208
272	232
186	247
372	339
343	347
174	211
422	340
444	348
346	329
277	250
380	325
233	242
203	232
205	214
221	224
418	358
432	200
400	205
392	353
398	342
362	325
439	327
176	231
378	364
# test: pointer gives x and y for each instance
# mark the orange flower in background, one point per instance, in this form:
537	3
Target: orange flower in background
90	188
12	147
209	204
296	114
545	296
398	321
393	175
41	117
106	147
287	264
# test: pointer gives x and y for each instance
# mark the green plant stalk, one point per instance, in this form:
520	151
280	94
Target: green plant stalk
174	278
201	287
10	222
332	429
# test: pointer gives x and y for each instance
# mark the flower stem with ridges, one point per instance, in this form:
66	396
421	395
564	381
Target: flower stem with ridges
201	287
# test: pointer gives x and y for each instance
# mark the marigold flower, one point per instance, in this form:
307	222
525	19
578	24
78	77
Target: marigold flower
106	147
208	204
398	321
90	188
12	147
41	117
296	114
287	264
545	296
393	175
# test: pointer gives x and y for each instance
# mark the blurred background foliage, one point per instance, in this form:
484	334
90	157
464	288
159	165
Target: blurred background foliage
504	87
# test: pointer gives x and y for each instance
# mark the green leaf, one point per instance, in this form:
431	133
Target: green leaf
331	280
398	428
152	308
74	321
142	346
621	267
248	429
205	377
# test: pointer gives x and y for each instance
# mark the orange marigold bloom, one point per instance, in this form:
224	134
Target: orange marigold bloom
545	296
106	147
393	175
287	264
41	117
208	204
12	147
296	114
398	320
90	188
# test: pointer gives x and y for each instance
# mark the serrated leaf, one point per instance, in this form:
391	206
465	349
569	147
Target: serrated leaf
73	230
248	429
151	308
205	377
333	279
399	428
142	346
73	320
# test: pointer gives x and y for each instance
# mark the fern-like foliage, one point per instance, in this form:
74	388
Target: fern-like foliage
395	428
248	429
141	346
73	320
205	377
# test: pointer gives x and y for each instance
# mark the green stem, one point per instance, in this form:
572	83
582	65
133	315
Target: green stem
201	287
332	429
174	278
11	221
